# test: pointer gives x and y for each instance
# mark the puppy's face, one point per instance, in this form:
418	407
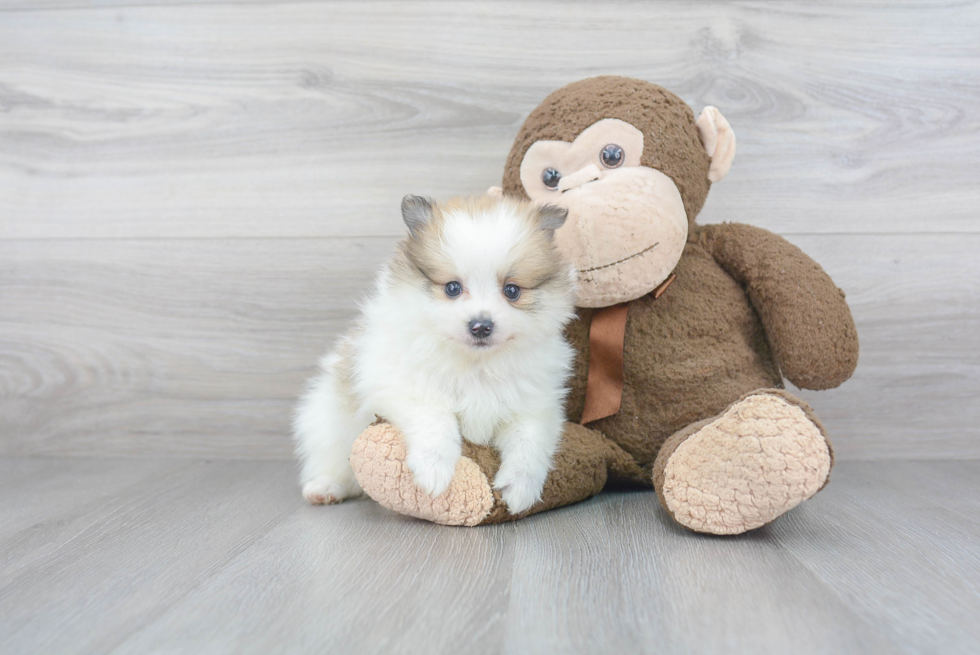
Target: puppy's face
486	269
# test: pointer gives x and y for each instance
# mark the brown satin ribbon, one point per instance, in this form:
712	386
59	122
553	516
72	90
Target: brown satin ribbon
607	332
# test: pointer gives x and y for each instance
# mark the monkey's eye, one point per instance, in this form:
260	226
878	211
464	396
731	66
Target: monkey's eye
453	289
512	291
612	156
550	178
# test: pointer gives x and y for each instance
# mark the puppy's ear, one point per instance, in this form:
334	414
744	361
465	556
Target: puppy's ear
416	212
551	217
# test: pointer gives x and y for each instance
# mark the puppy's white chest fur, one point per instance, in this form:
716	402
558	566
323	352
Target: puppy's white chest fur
482	406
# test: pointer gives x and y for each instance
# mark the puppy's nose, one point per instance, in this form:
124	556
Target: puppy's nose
481	327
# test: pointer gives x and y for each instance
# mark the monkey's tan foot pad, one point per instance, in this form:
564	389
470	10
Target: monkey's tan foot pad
760	458
378	460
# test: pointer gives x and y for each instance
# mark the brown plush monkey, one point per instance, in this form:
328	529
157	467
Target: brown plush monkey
685	332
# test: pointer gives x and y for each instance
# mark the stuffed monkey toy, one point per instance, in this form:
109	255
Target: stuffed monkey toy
684	332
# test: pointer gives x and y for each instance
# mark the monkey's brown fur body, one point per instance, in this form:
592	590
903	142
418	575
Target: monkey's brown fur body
703	416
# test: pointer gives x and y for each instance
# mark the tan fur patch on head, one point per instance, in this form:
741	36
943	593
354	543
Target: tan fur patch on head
534	263
423	251
539	260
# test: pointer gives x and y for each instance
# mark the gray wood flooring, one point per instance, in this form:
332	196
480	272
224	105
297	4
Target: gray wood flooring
197	556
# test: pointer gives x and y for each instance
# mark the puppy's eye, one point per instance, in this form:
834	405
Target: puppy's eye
453	289
612	156
512	291
550	177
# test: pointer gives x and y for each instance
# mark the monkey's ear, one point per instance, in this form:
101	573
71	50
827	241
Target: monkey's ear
416	212
719	142
551	217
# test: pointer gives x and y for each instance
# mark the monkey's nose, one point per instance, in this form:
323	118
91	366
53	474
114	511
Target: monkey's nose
578	178
481	327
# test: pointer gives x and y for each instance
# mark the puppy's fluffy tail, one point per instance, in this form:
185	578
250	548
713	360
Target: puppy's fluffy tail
325	425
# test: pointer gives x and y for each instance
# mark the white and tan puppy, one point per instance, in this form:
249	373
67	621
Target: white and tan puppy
462	339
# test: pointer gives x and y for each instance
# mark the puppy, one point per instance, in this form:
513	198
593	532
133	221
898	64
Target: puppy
462	339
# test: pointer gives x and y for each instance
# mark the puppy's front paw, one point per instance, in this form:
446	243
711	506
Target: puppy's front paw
519	489
322	491
431	469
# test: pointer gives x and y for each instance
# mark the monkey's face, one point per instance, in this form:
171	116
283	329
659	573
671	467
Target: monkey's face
626	225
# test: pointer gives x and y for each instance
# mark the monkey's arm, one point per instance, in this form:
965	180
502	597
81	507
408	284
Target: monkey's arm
806	319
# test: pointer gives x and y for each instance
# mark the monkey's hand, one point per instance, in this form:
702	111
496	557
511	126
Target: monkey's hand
804	314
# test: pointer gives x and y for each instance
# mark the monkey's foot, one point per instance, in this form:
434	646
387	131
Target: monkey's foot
758	459
580	468
378	460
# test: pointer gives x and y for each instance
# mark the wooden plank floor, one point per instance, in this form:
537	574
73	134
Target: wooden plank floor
197	556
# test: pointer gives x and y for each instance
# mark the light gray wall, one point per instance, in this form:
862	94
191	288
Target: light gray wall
193	197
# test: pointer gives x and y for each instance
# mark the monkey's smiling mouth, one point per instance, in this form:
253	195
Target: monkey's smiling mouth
617	263
579	186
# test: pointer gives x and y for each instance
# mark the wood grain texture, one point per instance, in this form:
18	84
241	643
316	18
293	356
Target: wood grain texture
194	195
903	530
194	346
313	119
35	487
916	302
224	557
111	563
656	590
201	346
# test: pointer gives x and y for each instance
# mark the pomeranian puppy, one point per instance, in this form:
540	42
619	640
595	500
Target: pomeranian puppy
463	338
